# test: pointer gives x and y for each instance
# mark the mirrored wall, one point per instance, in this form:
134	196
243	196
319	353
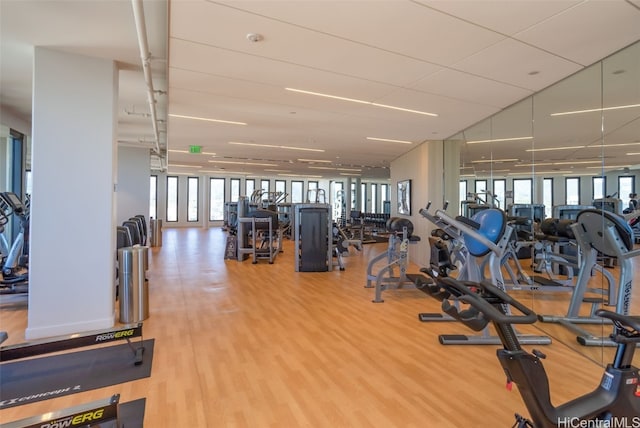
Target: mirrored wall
572	146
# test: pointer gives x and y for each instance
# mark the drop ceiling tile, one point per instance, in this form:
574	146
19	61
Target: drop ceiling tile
239	69
290	44
407	28
468	87
510	62
506	17
590	31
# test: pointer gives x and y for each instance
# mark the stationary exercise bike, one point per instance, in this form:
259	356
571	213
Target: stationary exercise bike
615	402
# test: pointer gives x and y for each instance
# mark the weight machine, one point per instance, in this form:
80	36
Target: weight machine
486	239
601	233
397	257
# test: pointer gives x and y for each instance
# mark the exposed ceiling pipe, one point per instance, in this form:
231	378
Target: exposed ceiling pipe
145	56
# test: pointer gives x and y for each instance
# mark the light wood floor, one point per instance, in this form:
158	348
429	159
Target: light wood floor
243	345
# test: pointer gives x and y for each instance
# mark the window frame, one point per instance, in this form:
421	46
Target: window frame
603	186
211	202
153	196
548	210
195	180
248	192
566	189
294	197
234	196
522	180
501	200
374	198
171	178
624	196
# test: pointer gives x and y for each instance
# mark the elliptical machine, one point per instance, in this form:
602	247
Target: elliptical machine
16	261
615	402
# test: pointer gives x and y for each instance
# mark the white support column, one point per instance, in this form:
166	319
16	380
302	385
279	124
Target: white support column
132	190
72	253
451	175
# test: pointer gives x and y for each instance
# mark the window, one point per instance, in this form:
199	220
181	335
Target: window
216	199
235	189
599	187
28	182
386	201
312	192
192	198
281	187
265	185
153	197
522	191
572	190
363	197
172	198
297	192
249	187
374	200
481	186
353	196
626	185
462	194
547	196
499	191
384	192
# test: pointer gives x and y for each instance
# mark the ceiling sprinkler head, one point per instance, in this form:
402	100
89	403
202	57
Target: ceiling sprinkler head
254	37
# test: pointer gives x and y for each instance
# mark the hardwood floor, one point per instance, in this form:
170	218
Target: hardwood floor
244	345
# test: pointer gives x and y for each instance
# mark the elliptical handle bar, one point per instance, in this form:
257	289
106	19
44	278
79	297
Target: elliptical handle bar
490	310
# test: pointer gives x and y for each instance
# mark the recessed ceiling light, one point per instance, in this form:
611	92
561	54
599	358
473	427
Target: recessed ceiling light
243	163
389	140
564	113
354	100
276	147
576	162
555	148
495	160
617	145
206	119
498	140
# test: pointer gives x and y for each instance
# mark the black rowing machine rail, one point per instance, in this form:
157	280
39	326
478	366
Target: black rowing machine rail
63	343
101	413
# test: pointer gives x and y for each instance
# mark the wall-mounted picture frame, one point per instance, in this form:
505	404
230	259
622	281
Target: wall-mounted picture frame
404	197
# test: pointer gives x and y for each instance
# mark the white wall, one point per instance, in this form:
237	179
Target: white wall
132	189
424	167
72	252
